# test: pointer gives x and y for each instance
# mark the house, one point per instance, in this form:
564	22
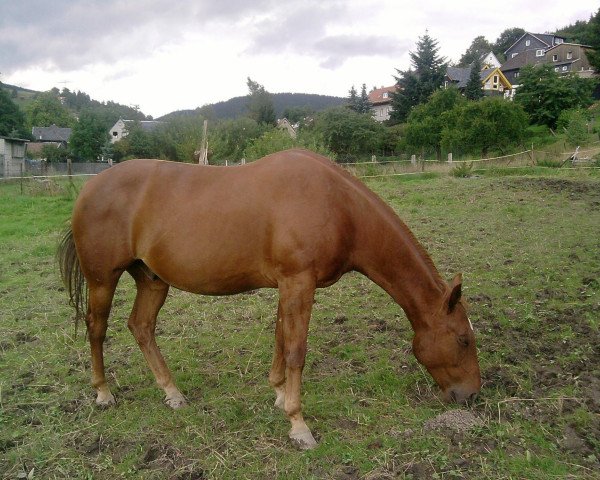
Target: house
539	49
119	129
490	61
381	101
12	156
570	57
285	125
493	81
52	135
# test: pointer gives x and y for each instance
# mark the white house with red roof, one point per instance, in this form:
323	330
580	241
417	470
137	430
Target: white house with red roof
381	101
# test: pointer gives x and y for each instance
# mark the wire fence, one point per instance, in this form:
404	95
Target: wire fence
43	172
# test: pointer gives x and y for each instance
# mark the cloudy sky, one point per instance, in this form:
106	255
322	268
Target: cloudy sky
166	55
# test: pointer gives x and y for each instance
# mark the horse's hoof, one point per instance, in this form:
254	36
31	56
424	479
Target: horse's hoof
303	440
105	400
176	402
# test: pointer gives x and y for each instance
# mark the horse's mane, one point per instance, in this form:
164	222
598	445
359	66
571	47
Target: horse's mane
389	212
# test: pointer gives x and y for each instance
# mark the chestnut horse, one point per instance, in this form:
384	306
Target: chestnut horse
294	221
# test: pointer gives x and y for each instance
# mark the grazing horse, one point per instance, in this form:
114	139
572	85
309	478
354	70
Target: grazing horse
294	221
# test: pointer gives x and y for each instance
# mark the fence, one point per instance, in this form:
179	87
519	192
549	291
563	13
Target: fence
525	158
35	169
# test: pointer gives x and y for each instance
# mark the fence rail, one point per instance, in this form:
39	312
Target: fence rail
36	170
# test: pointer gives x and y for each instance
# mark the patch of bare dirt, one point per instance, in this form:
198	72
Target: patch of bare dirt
458	420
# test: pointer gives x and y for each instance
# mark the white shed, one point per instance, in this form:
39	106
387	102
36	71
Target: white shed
12	156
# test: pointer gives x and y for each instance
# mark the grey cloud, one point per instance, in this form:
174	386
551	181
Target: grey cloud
69	34
337	49
303	30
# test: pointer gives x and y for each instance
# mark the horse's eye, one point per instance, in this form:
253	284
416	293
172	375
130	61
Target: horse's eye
463	340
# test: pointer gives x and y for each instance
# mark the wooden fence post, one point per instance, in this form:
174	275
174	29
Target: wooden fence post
413	159
21	175
450	157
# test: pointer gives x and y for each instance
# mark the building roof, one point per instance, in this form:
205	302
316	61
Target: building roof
14	139
546	38
461	75
51	134
381	95
572	44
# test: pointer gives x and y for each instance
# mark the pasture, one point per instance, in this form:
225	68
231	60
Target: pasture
528	244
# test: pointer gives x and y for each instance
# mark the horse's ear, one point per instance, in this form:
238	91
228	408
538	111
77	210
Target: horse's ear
455	293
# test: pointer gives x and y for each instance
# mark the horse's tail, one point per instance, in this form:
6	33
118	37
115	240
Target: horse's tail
72	277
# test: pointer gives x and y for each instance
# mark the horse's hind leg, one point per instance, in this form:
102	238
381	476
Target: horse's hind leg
151	295
99	303
277	374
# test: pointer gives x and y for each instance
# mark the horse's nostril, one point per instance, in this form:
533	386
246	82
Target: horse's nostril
472	398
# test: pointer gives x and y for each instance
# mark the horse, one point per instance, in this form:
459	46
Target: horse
304	222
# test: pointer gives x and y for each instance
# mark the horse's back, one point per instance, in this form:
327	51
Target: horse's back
220	229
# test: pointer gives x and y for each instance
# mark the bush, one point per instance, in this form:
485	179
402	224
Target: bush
574	123
462	170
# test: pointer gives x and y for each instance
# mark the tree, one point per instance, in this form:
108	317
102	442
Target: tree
348	133
426	122
89	137
473	90
544	94
416	84
364	102
298	114
593	39
229	138
478	48
505	40
12	120
47	110
353	99
492	123
360	104
260	104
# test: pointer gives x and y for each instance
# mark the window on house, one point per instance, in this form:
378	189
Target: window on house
527	43
539	52
496	78
556	69
565	68
569	55
115	134
385	94
516	74
559	41
554	58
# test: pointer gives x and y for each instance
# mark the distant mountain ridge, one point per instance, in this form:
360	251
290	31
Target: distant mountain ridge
238	106
228	109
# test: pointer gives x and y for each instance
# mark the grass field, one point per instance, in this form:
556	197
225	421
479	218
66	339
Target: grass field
528	245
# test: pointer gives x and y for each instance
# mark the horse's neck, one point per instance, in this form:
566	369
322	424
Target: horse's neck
390	255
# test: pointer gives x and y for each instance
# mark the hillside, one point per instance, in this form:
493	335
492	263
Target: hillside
237	106
21	96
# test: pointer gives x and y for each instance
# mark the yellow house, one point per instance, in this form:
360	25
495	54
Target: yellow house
493	80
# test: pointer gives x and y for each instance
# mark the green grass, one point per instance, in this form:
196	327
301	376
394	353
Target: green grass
528	244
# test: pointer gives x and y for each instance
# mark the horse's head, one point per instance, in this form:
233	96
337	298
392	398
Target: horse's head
446	347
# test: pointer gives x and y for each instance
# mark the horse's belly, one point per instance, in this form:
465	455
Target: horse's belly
211	276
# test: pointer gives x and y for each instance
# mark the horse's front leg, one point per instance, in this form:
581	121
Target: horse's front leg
296	297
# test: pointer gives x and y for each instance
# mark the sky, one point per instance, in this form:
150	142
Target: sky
167	55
